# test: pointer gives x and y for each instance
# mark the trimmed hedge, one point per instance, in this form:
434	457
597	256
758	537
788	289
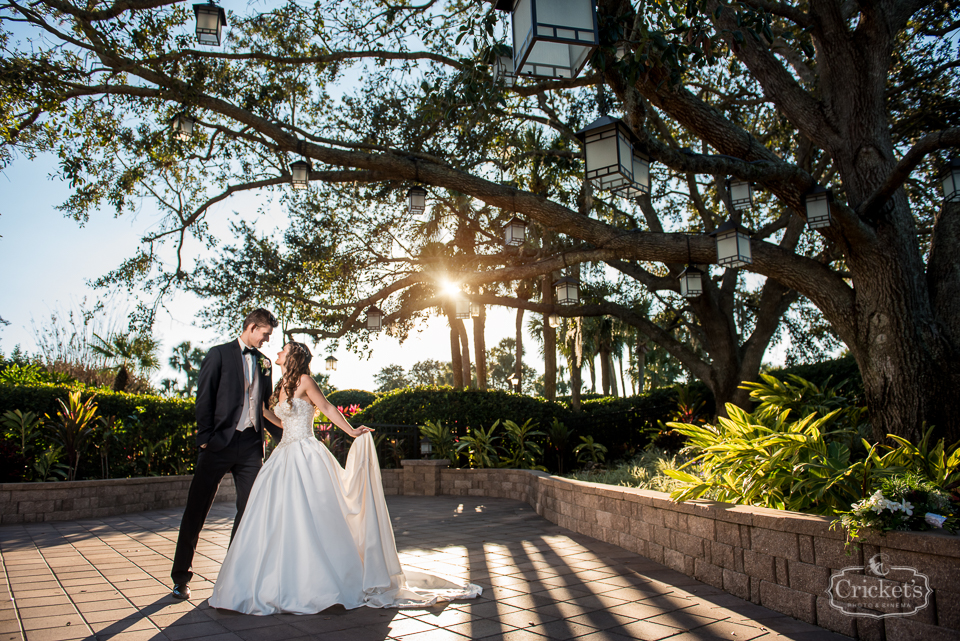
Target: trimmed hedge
837	371
619	423
146	420
348	397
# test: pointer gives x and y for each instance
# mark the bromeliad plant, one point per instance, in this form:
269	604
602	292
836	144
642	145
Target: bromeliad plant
72	428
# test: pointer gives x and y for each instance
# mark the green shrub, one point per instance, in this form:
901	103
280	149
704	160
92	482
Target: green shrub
624	425
807	464
348	397
137	423
458	409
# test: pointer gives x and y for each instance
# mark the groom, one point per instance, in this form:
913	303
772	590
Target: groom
235	382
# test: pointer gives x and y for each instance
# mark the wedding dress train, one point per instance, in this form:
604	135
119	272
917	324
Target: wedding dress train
315	534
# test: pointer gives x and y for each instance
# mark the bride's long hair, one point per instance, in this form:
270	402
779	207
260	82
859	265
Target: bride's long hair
295	365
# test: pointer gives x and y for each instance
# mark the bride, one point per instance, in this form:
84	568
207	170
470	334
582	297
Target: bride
315	534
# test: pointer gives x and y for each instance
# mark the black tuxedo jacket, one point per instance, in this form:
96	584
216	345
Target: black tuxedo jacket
220	396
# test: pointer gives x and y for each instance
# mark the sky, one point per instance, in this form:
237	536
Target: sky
49	261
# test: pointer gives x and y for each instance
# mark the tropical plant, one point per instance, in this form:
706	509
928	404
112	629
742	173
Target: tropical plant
792	465
521	451
481	446
152	455
935	462
442	442
22	427
73	426
559	435
590	451
48	466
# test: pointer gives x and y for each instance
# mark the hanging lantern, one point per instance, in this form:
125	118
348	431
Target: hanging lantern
416	200
475	310
514	232
817	203
300	174
503	69
552	38
950	178
374	319
567	290
553	320
331	363
211	20
733	245
613	162
691	282
741	193
462	308
621	50
182	126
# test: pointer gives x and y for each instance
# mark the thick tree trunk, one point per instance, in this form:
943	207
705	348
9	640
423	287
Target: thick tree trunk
480	347
906	354
549	344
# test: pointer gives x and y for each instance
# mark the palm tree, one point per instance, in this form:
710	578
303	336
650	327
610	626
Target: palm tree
130	353
187	359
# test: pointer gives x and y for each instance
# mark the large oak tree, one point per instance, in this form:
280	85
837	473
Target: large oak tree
858	96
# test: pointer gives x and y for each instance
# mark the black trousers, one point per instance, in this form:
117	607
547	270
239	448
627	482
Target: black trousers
243	458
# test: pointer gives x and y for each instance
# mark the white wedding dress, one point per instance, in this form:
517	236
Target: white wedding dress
315	534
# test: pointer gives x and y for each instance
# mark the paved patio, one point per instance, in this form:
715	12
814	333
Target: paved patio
109	579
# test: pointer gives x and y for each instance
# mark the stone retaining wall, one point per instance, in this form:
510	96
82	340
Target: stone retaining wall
781	560
71	500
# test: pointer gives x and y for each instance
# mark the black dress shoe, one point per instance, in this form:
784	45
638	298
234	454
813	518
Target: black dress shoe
181	591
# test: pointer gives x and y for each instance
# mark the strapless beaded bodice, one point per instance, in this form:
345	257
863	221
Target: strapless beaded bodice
297	420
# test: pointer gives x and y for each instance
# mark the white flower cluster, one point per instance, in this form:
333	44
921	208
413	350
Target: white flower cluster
878	503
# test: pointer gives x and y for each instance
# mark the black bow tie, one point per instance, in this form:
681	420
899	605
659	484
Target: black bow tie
248	350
